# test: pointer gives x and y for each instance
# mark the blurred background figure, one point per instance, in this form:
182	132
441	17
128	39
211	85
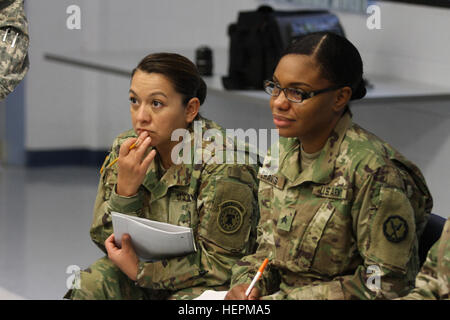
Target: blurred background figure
433	280
13	45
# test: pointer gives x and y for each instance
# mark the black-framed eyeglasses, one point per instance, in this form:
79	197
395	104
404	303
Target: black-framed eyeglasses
293	94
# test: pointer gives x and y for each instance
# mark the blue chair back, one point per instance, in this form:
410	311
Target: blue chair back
430	235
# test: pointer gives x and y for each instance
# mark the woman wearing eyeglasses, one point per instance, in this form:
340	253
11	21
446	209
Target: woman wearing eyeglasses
340	219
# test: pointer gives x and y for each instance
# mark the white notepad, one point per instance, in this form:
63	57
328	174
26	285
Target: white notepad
153	240
212	295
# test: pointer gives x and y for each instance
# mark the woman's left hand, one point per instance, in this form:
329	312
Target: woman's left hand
124	258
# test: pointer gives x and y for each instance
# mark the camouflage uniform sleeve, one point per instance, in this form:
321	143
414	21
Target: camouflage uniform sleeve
13	45
384	225
227	218
108	200
245	269
427	282
433	280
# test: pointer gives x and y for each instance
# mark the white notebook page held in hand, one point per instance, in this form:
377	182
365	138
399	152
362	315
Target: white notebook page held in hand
153	240
212	295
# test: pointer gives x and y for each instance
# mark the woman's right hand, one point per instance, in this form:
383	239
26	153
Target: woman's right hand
133	164
238	293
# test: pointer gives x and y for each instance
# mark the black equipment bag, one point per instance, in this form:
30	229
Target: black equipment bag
259	37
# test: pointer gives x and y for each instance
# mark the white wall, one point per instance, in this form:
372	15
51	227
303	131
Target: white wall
74	108
421	132
414	42
69	107
55	94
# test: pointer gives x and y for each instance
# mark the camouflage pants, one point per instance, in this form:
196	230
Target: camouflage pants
103	280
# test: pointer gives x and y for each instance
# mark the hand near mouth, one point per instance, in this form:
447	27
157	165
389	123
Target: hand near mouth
133	164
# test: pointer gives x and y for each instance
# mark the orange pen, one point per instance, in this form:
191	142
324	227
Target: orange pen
257	276
134	145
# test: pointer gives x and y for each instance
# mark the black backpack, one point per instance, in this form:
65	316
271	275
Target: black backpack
259	37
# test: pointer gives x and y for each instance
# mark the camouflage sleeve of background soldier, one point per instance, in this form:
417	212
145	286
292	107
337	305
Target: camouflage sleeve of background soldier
13	45
108	200
433	280
227	217
384	225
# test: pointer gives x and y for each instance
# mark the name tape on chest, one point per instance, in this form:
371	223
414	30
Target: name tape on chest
183	197
337	192
274	180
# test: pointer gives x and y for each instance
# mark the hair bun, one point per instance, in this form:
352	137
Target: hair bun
360	91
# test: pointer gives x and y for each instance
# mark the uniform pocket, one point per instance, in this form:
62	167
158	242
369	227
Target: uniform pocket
313	233
181	209
265	196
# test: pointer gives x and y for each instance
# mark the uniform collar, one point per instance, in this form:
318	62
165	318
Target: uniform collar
176	175
183	174
321	169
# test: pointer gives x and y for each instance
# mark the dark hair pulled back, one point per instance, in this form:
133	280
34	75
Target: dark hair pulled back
339	60
179	70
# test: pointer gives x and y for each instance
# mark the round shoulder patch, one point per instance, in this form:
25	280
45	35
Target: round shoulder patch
395	229
231	216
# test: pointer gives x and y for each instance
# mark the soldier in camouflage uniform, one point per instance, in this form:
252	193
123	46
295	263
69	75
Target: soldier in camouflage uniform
217	200
13	45
433	280
344	208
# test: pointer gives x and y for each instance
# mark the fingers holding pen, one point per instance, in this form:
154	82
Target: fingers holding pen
135	147
238	292
132	143
124	150
141	138
133	164
142	147
127	146
148	159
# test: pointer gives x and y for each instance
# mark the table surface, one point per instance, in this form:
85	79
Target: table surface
121	64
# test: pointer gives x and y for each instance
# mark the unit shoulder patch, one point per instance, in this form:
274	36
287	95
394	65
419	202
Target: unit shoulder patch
231	216
395	229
